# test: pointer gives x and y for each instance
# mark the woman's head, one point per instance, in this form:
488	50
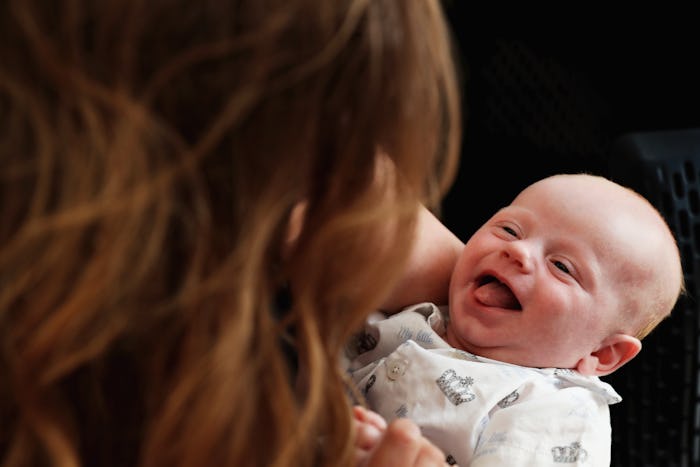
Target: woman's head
150	155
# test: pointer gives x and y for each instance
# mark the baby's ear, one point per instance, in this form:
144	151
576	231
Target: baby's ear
614	352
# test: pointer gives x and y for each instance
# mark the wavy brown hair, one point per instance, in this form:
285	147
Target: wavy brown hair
151	152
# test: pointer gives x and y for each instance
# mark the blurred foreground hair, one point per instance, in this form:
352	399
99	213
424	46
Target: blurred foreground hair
150	155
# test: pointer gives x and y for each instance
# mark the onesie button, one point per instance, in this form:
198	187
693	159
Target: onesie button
395	368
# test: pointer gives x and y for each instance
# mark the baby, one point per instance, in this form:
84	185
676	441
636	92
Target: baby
554	291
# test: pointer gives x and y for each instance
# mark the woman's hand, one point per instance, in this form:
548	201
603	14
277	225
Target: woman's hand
398	444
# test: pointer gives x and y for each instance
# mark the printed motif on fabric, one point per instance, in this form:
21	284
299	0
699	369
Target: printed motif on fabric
370	383
509	399
456	388
569	454
420	336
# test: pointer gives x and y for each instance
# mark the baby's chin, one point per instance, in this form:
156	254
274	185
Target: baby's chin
455	341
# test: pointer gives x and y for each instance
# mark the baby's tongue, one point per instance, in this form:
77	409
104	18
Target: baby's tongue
496	294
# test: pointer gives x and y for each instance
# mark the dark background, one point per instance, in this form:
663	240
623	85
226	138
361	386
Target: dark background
554	94
555	99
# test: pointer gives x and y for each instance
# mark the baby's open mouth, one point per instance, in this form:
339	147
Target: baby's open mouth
492	292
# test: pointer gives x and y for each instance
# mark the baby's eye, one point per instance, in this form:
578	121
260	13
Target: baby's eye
510	231
561	266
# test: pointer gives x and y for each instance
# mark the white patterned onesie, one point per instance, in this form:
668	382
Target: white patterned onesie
480	412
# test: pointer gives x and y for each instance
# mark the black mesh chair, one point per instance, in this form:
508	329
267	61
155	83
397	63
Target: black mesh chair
658	422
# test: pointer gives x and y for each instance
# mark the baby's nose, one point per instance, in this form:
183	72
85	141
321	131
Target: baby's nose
519	252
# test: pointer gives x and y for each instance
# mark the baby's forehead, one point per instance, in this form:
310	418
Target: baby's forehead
591	202
630	236
619	234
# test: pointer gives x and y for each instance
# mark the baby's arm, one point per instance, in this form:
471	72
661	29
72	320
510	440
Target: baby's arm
431	260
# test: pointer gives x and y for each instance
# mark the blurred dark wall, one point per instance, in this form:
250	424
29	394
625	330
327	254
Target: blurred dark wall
551	95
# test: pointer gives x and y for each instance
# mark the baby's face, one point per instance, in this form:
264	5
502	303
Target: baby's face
547	279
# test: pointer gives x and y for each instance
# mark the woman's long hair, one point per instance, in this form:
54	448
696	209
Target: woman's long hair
151	152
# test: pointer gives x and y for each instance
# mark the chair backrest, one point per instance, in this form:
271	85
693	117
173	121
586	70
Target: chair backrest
658	422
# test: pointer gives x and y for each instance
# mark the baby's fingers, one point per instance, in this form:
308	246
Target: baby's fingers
404	445
367	416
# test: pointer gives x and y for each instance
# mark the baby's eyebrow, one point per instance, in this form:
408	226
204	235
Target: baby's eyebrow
515	212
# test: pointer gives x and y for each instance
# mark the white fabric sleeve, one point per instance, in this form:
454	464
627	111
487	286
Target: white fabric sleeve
568	428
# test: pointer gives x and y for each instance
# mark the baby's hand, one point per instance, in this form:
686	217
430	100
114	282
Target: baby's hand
369	429
401	443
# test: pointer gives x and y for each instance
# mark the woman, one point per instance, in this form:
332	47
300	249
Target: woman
152	153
